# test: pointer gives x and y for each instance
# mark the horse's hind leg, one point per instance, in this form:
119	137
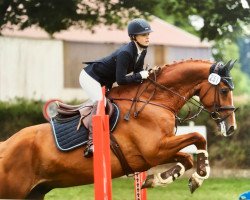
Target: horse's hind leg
184	163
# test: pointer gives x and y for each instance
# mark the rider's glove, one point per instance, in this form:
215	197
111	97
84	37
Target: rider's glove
144	74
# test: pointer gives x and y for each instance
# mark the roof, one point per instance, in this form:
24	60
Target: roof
164	34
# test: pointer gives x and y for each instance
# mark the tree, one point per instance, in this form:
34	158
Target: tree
56	15
220	19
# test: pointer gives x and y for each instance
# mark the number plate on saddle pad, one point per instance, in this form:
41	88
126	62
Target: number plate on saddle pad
66	135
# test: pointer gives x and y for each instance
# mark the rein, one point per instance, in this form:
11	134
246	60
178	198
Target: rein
136	99
215	115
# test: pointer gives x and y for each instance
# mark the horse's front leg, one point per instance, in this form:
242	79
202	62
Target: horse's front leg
170	147
184	162
203	171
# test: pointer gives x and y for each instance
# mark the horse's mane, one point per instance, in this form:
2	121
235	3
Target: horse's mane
173	66
175	63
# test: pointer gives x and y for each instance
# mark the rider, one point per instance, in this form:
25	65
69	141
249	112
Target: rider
116	68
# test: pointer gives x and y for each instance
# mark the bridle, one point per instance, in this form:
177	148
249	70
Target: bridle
214	114
217	108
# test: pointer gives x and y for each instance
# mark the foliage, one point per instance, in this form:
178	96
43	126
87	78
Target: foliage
241	81
221	19
18	114
54	16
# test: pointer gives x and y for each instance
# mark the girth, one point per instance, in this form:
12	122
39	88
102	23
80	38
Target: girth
118	152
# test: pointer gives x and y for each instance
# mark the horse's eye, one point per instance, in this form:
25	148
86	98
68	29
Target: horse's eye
224	91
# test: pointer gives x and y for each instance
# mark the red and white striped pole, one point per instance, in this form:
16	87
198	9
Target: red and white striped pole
140	194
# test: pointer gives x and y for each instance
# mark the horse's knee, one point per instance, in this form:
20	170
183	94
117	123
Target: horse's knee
199	141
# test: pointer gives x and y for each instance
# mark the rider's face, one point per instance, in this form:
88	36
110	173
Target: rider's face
143	39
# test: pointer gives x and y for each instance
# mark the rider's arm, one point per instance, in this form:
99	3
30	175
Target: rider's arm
124	60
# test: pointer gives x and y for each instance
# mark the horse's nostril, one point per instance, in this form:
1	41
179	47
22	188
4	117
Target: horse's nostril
230	130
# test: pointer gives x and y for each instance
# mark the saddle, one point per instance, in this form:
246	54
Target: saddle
66	111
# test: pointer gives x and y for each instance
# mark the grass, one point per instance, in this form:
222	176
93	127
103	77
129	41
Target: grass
123	189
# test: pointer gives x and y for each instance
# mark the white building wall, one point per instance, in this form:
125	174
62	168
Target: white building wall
178	53
30	68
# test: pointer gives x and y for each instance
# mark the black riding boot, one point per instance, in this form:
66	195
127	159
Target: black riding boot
89	150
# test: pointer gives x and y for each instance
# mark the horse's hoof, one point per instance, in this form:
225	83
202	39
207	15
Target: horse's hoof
148	183
193	185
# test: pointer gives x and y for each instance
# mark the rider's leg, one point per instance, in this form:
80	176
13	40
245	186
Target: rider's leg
94	91
92	87
89	150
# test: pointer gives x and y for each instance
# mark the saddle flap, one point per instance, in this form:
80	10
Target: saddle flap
109	108
64	106
66	110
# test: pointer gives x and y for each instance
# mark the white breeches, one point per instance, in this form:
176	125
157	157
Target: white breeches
90	86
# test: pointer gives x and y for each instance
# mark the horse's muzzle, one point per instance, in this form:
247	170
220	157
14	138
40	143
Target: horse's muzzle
226	126
225	129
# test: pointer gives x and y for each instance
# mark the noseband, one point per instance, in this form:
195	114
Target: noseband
217	108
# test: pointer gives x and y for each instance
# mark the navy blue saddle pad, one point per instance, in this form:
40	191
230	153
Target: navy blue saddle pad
66	135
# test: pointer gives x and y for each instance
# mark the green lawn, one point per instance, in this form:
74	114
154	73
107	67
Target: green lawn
123	189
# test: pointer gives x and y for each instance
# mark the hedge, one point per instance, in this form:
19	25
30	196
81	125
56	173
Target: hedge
18	114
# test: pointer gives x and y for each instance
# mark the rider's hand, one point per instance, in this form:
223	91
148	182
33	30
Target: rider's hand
144	74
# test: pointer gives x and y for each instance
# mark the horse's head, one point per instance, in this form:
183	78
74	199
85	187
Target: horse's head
216	95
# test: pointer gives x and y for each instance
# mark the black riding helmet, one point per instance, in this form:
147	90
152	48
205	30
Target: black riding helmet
138	26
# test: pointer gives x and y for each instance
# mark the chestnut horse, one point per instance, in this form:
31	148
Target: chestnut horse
31	164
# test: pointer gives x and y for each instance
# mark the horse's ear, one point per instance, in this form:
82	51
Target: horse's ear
231	64
226	65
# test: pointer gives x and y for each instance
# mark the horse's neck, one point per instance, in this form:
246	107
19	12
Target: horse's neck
180	80
184	76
